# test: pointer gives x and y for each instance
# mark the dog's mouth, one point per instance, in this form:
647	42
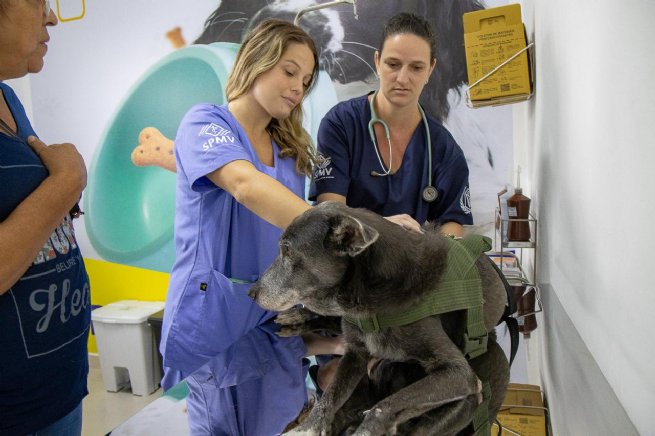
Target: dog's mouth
271	301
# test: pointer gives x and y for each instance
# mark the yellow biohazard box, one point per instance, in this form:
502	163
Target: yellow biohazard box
522	411
491	37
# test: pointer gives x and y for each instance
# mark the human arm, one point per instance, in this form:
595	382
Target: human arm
213	153
329	196
261	194
452	228
321	345
24	232
404	220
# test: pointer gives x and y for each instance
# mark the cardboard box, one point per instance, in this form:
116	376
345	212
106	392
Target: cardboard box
522	411
491	36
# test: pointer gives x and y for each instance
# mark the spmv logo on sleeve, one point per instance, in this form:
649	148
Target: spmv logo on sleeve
217	135
323	168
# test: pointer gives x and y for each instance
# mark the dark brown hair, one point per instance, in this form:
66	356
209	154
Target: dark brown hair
404	23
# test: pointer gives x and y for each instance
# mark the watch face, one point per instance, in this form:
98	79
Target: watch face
430	194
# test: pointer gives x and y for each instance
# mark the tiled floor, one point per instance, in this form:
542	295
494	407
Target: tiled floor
103	410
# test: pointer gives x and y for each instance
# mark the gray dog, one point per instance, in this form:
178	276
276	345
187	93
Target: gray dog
340	261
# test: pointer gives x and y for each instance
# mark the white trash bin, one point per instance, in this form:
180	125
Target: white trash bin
126	347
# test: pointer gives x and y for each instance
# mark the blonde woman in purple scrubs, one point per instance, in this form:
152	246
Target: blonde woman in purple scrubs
240	179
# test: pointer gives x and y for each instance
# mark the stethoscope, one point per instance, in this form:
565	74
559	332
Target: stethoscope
430	193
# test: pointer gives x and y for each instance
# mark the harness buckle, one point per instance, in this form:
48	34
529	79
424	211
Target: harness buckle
474	347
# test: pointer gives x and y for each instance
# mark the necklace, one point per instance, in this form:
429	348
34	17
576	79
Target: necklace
6	129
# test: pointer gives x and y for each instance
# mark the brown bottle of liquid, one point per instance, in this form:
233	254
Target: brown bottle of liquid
518	207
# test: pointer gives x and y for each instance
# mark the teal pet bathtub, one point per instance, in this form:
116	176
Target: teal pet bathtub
130	210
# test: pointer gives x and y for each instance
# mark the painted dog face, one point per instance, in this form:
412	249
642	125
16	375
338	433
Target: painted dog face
315	253
347	41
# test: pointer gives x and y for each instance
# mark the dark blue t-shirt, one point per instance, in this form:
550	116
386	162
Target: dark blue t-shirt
45	316
349	157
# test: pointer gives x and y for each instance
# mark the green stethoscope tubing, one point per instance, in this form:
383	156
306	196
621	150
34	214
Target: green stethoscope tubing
429	193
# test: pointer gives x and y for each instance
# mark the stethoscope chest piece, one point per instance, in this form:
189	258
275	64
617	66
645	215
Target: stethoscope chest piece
430	194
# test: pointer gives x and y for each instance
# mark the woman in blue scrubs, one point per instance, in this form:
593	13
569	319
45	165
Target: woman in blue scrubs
240	180
382	152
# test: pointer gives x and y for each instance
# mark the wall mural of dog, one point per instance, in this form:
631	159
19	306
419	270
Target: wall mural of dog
346	46
340	261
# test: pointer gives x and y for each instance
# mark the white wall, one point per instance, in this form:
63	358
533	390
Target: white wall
587	148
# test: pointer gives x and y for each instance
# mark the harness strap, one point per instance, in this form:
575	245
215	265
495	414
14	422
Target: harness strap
510	321
513	328
481	425
476	336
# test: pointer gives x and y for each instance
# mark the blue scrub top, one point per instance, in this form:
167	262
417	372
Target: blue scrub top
221	249
349	157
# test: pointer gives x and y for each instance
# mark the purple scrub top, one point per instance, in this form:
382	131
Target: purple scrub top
221	249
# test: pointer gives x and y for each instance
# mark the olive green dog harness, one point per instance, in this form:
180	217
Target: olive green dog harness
459	289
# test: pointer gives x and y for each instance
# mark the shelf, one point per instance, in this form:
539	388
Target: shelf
510	265
503	225
519	244
509	258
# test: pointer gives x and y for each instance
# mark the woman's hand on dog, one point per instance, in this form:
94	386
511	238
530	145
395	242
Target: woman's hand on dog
406	222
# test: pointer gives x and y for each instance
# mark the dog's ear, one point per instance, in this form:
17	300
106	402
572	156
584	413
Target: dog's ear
348	236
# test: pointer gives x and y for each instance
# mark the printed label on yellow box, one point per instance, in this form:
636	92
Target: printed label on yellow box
491	37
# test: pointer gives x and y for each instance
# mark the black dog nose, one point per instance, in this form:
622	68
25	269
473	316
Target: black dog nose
253	292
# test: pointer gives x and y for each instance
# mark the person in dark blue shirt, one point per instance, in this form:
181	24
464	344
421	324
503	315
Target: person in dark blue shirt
44	288
382	152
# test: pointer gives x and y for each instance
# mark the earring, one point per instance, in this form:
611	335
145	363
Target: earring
426	82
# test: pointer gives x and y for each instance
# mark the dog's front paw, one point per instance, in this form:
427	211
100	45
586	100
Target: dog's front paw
288	331
374	424
293	316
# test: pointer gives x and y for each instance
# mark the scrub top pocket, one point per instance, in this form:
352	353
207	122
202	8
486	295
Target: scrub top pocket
217	312
227	313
